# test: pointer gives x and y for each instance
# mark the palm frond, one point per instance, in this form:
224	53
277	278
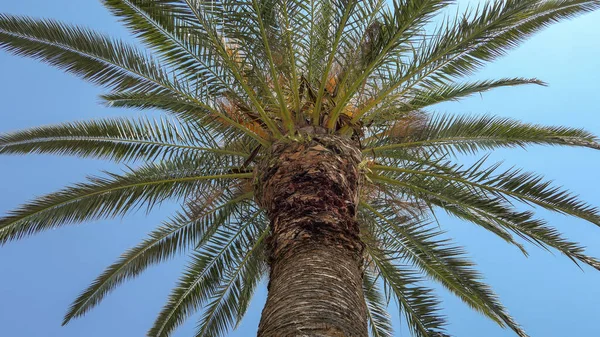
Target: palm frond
499	27
418	303
102	60
474	206
116	139
264	16
340	23
445	263
85	53
212	17
292	47
379	318
115	195
220	259
526	187
539	233
460	46
461	204
213	122
316	26
231	298
169	28
469	134
176	236
394	107
385	40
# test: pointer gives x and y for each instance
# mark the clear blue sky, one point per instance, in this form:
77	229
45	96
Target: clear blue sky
547	294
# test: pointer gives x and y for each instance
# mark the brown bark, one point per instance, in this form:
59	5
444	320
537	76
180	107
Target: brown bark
309	188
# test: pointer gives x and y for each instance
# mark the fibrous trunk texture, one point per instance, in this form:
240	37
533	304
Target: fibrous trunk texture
309	188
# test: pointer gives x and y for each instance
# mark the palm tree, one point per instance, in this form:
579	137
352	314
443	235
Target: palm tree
300	148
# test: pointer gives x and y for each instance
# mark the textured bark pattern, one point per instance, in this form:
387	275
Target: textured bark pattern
316	291
310	191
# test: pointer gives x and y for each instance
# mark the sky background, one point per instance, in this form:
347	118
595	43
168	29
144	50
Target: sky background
40	276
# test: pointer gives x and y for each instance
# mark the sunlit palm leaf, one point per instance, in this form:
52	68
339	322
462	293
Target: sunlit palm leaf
169	27
395	108
387	39
379	318
114	195
526	187
231	298
226	252
462	45
470	134
211	122
495	210
80	51
418	303
420	244
115	139
176	236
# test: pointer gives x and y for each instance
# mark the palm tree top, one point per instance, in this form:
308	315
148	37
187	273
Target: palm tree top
236	77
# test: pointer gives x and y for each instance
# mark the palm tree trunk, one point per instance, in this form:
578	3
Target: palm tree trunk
310	190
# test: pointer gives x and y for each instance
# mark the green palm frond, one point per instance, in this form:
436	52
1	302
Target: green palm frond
115	195
459	47
539	233
229	31
176	236
256	48
316	28
525	187
445	263
101	60
213	274
90	55
481	208
358	47
456	202
418	303
231	298
117	139
379	318
210	124
470	134
402	25
184	109
170	29
259	270
290	46
264	17
394	108
385	40
211	16
345	10
499	27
